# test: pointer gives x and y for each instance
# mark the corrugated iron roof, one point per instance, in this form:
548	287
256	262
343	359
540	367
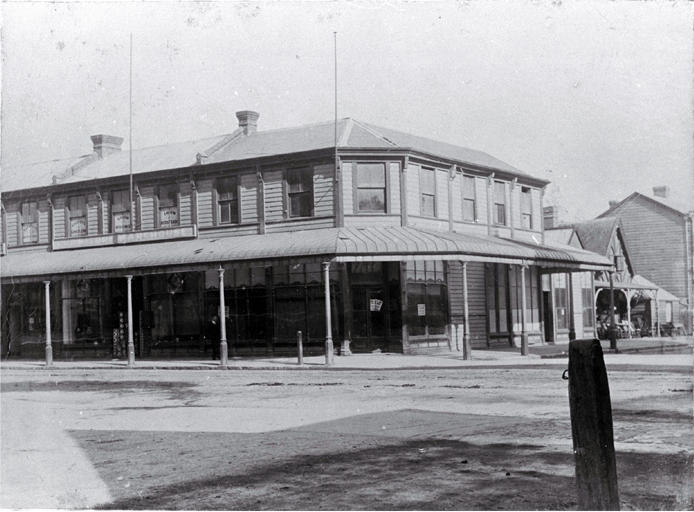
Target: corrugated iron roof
328	243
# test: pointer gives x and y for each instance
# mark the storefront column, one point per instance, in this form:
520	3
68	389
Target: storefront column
524	325
629	294
347	309
49	346
328	325
467	348
657	316
572	319
131	339
223	346
613	327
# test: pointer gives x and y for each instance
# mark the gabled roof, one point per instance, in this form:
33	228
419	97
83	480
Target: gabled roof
595	235
236	147
665	202
562	235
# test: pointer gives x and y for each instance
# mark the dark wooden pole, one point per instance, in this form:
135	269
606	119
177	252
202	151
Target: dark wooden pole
613	327
591	427
299	348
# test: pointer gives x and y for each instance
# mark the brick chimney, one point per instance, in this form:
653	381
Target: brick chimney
104	145
248	120
662	191
550	216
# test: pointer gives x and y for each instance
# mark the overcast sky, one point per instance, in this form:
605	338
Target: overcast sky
595	96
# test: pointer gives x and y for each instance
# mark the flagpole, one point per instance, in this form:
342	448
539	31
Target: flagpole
132	216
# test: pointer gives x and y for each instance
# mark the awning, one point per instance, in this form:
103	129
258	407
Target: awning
331	244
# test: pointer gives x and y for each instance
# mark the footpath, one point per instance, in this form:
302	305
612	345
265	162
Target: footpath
642	351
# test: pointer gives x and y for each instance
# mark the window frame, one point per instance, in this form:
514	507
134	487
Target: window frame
497	204
159	207
473	199
423	194
119	208
358	187
69	215
23	221
218	202
289	194
422	277
526	192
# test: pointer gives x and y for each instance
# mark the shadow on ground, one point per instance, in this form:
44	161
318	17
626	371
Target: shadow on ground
334	468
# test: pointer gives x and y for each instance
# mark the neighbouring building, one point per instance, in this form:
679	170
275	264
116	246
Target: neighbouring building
660	234
421	244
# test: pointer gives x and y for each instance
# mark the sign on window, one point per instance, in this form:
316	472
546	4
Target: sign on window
168	217
78	226
121	222
421	309
376	304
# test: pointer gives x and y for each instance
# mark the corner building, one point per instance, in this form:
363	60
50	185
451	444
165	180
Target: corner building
422	244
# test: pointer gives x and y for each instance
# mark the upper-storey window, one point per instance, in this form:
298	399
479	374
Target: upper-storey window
77	216
300	192
526	209
168	206
469	202
500	203
371	187
228	200
427	187
30	223
120	212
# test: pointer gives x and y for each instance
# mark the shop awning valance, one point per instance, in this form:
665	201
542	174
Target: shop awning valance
331	244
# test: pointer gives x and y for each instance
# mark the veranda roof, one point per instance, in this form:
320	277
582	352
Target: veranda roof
331	244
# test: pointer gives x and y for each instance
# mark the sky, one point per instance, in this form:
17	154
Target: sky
594	96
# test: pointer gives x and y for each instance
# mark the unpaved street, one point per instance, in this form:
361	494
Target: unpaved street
473	438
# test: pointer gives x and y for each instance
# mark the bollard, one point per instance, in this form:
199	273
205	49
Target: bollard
591	427
300	347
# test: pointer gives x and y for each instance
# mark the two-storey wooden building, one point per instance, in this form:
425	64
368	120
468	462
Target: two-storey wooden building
420	242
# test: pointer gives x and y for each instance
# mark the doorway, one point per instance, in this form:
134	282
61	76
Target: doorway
370	318
548	321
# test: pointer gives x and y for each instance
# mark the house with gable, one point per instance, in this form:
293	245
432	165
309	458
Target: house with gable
361	237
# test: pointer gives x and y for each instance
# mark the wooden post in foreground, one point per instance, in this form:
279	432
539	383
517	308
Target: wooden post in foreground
591	427
300	347
49	346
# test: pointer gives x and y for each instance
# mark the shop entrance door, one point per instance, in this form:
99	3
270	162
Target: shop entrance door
370	324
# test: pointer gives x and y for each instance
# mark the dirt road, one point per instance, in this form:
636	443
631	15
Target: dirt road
479	438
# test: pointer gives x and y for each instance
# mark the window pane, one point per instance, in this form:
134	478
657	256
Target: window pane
469	187
526	221
299	180
300	205
78	226
121	222
30	233
372	200
168	216
500	214
29	211
469	210
371	175
228	212
525	200
76	205
427	181
499	192
168	195
428	205
227	188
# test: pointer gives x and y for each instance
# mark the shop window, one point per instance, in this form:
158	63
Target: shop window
77	216
173	302
526	209
500	203
228	200
371	187
469	199
300	192
561	301
427	298
427	187
30	222
587	300
497	298
532	298
120	211
167	198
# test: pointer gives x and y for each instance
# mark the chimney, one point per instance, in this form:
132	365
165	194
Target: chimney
551	217
104	145
613	203
248	120
662	191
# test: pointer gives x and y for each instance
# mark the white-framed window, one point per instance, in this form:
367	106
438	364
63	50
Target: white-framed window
228	200
168	206
427	188
77	216
30	222
120	211
469	199
526	208
371	187
500	203
300	192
